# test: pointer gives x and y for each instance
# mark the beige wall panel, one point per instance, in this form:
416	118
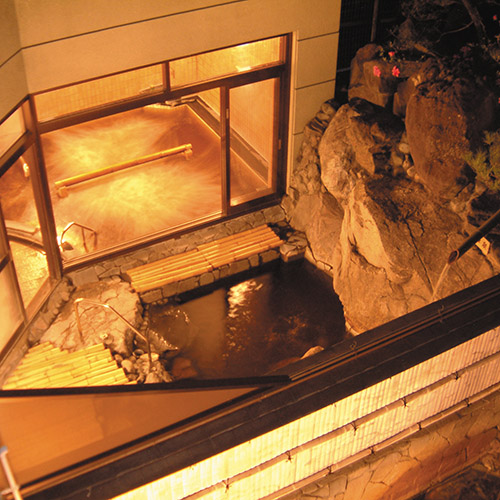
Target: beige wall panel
308	101
41	21
9	38
81	57
317	17
317	60
12	84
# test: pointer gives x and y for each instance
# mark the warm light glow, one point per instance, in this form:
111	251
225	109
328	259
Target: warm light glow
238	294
219	63
94	93
152	196
20	213
9	308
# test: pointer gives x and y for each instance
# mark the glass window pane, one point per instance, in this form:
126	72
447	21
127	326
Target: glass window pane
23	227
10	310
87	95
224	62
252	139
144	197
11	130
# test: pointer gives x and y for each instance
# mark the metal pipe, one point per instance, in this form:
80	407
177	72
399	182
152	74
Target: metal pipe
14	488
114	311
83	229
61	185
474	238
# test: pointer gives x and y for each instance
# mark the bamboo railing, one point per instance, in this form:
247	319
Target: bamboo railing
63	184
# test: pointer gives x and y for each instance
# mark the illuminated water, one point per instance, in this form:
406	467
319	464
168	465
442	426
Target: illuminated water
250	327
440	280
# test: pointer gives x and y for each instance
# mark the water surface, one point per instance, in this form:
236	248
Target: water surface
251	326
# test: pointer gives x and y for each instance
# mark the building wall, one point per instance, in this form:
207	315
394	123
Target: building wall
64	42
13	86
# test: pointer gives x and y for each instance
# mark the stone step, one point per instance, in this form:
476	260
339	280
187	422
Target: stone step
37	356
205	258
227	254
164	276
249	235
173	262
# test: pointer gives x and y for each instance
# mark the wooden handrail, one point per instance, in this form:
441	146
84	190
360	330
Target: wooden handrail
61	185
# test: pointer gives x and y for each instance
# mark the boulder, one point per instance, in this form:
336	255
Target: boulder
373	133
444	121
360	139
394	244
384	202
306	177
377	73
98	324
309	208
404	91
415	72
371	78
339	169
319	217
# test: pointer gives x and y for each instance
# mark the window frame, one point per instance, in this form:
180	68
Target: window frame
7	266
280	71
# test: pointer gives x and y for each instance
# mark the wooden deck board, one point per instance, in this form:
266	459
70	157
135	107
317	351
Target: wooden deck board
93	365
205	258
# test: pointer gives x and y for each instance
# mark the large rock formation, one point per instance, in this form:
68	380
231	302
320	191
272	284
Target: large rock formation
383	192
98	324
393	246
310	207
443	123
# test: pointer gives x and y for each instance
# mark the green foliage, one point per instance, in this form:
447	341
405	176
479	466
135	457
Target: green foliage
486	161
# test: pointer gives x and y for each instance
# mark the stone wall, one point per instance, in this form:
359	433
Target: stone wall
118	266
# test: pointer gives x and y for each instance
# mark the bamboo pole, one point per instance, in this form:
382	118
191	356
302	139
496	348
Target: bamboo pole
61	185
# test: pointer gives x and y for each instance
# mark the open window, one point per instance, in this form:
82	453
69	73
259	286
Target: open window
22	224
11	308
252	140
24	268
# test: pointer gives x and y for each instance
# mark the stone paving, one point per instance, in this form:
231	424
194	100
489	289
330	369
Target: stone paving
479	482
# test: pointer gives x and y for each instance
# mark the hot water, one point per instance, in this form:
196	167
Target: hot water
252	326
